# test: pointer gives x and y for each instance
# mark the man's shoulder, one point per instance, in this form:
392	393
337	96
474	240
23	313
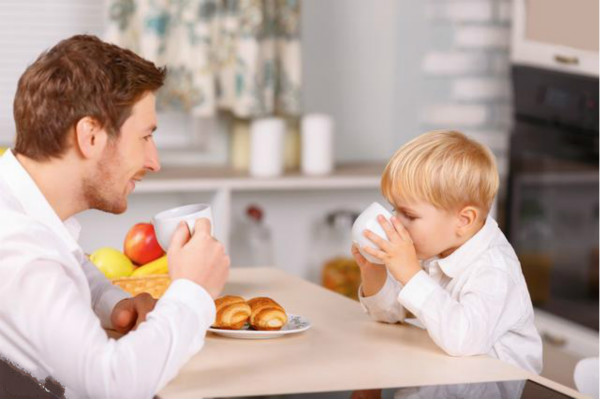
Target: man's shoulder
20	229
7	198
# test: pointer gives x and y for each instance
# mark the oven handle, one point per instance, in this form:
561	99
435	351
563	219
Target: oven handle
565	59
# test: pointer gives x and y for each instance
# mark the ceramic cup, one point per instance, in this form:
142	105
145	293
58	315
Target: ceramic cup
166	222
368	220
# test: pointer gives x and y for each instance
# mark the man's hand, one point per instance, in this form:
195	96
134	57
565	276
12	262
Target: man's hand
366	394
200	258
398	254
130	312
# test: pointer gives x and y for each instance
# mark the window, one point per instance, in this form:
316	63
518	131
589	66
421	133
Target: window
28	27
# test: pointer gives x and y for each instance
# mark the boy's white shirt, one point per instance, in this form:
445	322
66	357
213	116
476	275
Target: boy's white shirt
473	302
54	303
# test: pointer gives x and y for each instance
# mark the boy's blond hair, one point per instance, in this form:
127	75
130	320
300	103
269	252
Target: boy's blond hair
444	168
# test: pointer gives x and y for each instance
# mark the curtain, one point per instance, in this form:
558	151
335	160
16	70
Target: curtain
238	55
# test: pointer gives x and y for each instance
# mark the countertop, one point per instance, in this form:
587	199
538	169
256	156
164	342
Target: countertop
343	350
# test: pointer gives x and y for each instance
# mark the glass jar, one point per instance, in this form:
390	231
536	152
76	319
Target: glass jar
251	243
333	264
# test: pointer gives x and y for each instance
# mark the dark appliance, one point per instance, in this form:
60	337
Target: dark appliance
552	201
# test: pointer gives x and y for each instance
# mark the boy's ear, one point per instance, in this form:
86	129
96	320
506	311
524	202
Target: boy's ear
90	138
467	219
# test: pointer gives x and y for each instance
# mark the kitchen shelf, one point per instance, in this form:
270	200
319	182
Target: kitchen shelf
193	179
223	184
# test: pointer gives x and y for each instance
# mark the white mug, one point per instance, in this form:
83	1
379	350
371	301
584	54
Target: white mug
368	220
166	222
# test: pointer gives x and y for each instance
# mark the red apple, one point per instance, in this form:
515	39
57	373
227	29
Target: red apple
140	244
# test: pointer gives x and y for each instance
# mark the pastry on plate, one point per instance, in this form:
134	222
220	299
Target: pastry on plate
266	314
233	312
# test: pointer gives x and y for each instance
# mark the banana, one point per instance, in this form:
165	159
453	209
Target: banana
158	266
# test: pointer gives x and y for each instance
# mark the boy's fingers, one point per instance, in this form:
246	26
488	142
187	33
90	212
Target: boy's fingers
358	256
402	232
375	239
389	229
375	252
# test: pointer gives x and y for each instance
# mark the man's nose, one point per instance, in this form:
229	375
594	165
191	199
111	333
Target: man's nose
152	162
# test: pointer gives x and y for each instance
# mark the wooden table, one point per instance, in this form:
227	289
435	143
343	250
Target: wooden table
343	350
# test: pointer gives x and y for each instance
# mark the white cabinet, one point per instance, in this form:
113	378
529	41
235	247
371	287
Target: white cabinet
565	343
556	34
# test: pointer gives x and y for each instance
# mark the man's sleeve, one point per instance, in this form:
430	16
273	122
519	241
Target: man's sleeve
63	332
105	295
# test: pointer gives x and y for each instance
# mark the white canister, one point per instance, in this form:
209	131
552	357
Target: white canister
317	144
266	147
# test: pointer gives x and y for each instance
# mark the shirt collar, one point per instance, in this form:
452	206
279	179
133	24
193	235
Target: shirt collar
34	203
464	255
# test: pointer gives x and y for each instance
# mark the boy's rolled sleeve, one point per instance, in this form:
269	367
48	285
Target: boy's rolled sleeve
414	293
383	306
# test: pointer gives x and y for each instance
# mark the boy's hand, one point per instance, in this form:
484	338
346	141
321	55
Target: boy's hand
372	276
398	254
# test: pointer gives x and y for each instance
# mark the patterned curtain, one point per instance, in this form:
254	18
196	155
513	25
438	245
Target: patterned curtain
238	55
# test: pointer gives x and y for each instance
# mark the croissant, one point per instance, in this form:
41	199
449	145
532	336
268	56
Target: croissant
266	314
232	312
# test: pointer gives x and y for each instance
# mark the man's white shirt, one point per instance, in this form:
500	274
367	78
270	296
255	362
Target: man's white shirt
54	304
475	301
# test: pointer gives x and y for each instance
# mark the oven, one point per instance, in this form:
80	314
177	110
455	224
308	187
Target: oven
552	201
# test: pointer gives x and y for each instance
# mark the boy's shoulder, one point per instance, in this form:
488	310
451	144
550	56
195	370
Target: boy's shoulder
500	258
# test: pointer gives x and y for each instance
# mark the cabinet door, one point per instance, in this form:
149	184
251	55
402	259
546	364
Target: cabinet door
556	34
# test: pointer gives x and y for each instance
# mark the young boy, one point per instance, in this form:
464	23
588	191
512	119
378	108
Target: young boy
446	260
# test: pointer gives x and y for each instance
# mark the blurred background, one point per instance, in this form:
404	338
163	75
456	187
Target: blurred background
282	115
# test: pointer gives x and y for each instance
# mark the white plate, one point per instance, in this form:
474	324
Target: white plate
294	325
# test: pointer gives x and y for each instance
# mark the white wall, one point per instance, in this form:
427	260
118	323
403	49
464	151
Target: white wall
389	70
350	70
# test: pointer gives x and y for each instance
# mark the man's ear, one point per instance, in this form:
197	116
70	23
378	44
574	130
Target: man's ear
467	219
90	138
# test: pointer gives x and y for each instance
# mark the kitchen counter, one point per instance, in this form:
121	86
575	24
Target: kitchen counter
343	350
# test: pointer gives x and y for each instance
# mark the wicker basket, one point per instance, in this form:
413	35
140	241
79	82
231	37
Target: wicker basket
155	284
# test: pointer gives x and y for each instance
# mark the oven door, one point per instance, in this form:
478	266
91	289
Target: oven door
552	217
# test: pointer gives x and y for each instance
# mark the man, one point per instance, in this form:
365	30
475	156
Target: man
84	114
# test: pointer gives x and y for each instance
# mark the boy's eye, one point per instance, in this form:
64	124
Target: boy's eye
409	217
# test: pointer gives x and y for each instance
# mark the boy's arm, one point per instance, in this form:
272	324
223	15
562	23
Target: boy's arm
384	306
378	291
463	327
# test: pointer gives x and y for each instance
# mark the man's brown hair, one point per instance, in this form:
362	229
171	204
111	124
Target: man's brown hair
80	76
